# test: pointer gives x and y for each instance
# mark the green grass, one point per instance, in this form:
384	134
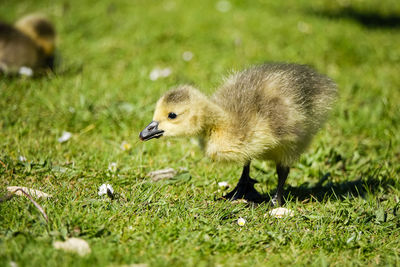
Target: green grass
103	95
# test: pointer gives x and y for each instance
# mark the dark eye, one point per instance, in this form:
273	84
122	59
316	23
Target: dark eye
172	115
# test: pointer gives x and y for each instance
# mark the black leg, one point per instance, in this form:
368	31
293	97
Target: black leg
245	188
283	173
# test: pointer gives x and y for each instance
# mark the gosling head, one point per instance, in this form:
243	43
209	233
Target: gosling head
179	112
41	31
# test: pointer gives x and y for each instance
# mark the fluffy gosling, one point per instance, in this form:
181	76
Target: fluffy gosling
267	112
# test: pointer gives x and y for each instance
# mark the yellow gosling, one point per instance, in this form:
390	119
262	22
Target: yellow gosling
267	112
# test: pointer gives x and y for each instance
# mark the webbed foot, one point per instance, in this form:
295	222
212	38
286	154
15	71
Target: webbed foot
245	191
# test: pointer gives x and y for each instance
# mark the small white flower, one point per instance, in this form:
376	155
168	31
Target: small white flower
223	6
103	189
65	137
169	6
125	146
22	158
238	41
241	221
157	73
187	56
112	167
127	107
223	184
25	71
304	27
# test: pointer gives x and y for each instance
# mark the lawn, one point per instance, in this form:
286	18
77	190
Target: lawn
344	191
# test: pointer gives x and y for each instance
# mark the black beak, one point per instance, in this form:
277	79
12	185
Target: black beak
151	131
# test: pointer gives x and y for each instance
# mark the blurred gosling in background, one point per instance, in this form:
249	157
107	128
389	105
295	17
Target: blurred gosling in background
28	45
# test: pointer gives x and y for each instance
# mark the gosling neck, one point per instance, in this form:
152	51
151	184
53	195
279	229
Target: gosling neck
213	116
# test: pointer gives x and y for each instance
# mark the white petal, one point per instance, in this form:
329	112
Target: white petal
109	188
103	189
223	184
34	193
303	27
187	56
76	245
112	167
223	6
157	73
280	212
64	137
25	71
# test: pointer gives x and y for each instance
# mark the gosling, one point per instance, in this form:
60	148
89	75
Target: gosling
267	112
29	43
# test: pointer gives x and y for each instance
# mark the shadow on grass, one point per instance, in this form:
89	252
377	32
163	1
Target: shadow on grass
324	189
370	19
